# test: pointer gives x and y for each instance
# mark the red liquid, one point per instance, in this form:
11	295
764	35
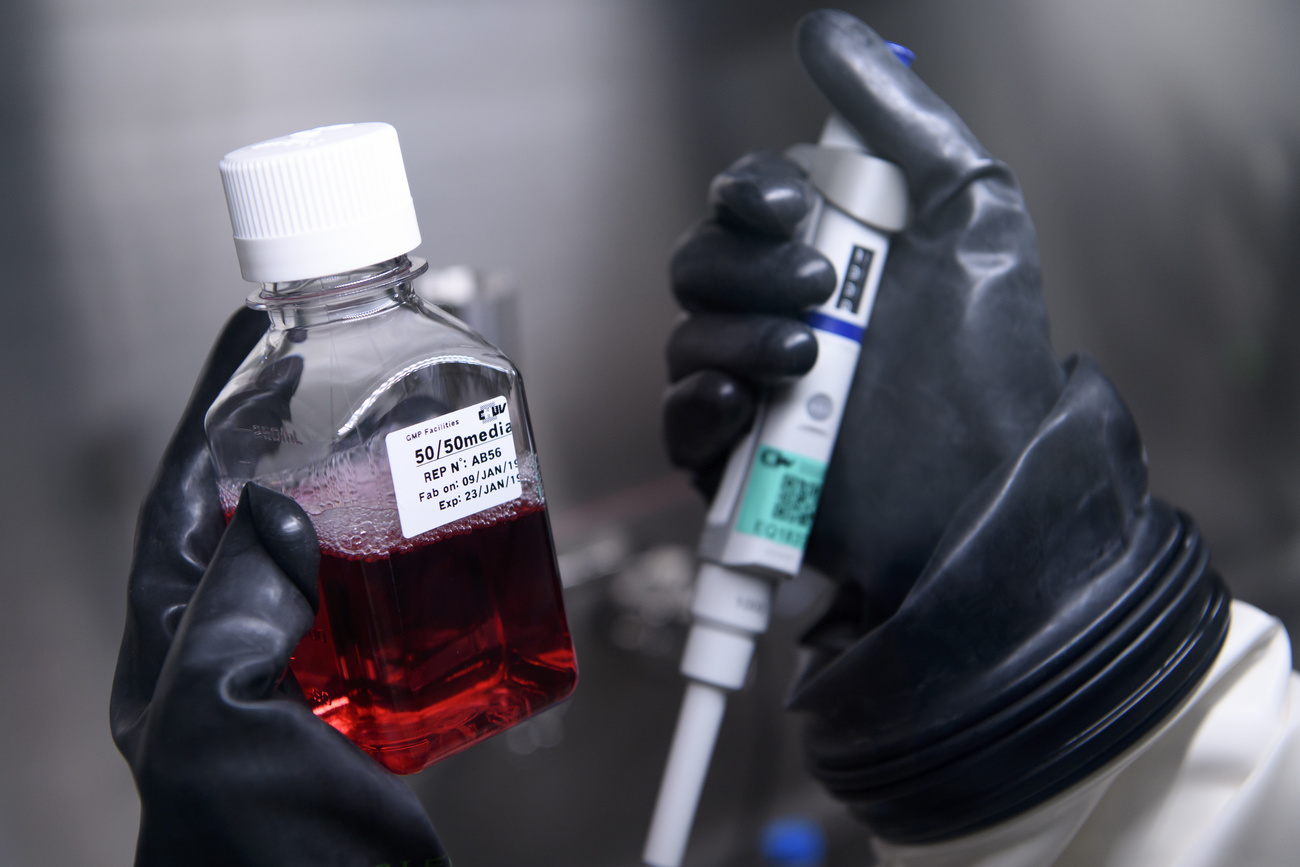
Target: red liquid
419	653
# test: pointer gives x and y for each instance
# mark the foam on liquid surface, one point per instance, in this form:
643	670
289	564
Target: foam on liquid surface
352	505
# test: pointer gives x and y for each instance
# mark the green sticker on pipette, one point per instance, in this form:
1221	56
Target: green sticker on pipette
781	498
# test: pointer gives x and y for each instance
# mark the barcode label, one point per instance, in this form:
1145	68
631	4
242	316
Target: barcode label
796	501
781	497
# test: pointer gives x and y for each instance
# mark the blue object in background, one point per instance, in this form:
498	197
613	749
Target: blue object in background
793	842
906	55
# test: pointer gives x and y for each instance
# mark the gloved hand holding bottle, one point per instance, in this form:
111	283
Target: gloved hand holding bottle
231	766
1016	618
424	575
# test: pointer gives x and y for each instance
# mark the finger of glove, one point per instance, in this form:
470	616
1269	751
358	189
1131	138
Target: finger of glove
704	416
288	536
726	271
761	349
181	507
763	192
265	402
179	527
901	119
254	603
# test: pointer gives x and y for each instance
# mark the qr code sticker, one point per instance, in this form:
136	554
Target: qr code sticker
796	501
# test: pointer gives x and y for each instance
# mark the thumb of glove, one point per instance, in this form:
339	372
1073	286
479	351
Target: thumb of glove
233	645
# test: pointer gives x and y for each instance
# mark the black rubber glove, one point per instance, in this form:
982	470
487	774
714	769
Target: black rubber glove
231	767
1014	609
265	403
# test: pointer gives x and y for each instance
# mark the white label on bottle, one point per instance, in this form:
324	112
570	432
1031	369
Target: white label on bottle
453	466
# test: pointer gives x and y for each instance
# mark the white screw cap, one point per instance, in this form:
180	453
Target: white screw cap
319	202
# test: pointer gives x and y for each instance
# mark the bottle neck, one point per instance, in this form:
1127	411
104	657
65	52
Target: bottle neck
353	295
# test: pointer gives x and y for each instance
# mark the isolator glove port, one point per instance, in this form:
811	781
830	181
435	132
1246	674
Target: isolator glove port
231	767
1014	610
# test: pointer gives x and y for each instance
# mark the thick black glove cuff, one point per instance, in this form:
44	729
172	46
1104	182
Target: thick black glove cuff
1063	614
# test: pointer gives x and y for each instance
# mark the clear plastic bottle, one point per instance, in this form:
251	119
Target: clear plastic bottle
405	437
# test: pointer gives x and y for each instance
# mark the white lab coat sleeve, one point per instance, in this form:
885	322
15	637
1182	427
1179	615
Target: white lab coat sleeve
1217	784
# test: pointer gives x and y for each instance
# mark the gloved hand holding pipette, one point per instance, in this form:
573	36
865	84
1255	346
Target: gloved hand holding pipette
957	369
1017	619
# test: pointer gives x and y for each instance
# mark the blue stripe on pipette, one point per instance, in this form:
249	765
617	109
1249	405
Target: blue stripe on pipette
822	322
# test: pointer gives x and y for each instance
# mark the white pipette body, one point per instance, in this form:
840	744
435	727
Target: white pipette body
757	526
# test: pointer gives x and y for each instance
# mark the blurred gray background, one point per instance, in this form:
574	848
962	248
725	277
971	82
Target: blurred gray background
569	142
